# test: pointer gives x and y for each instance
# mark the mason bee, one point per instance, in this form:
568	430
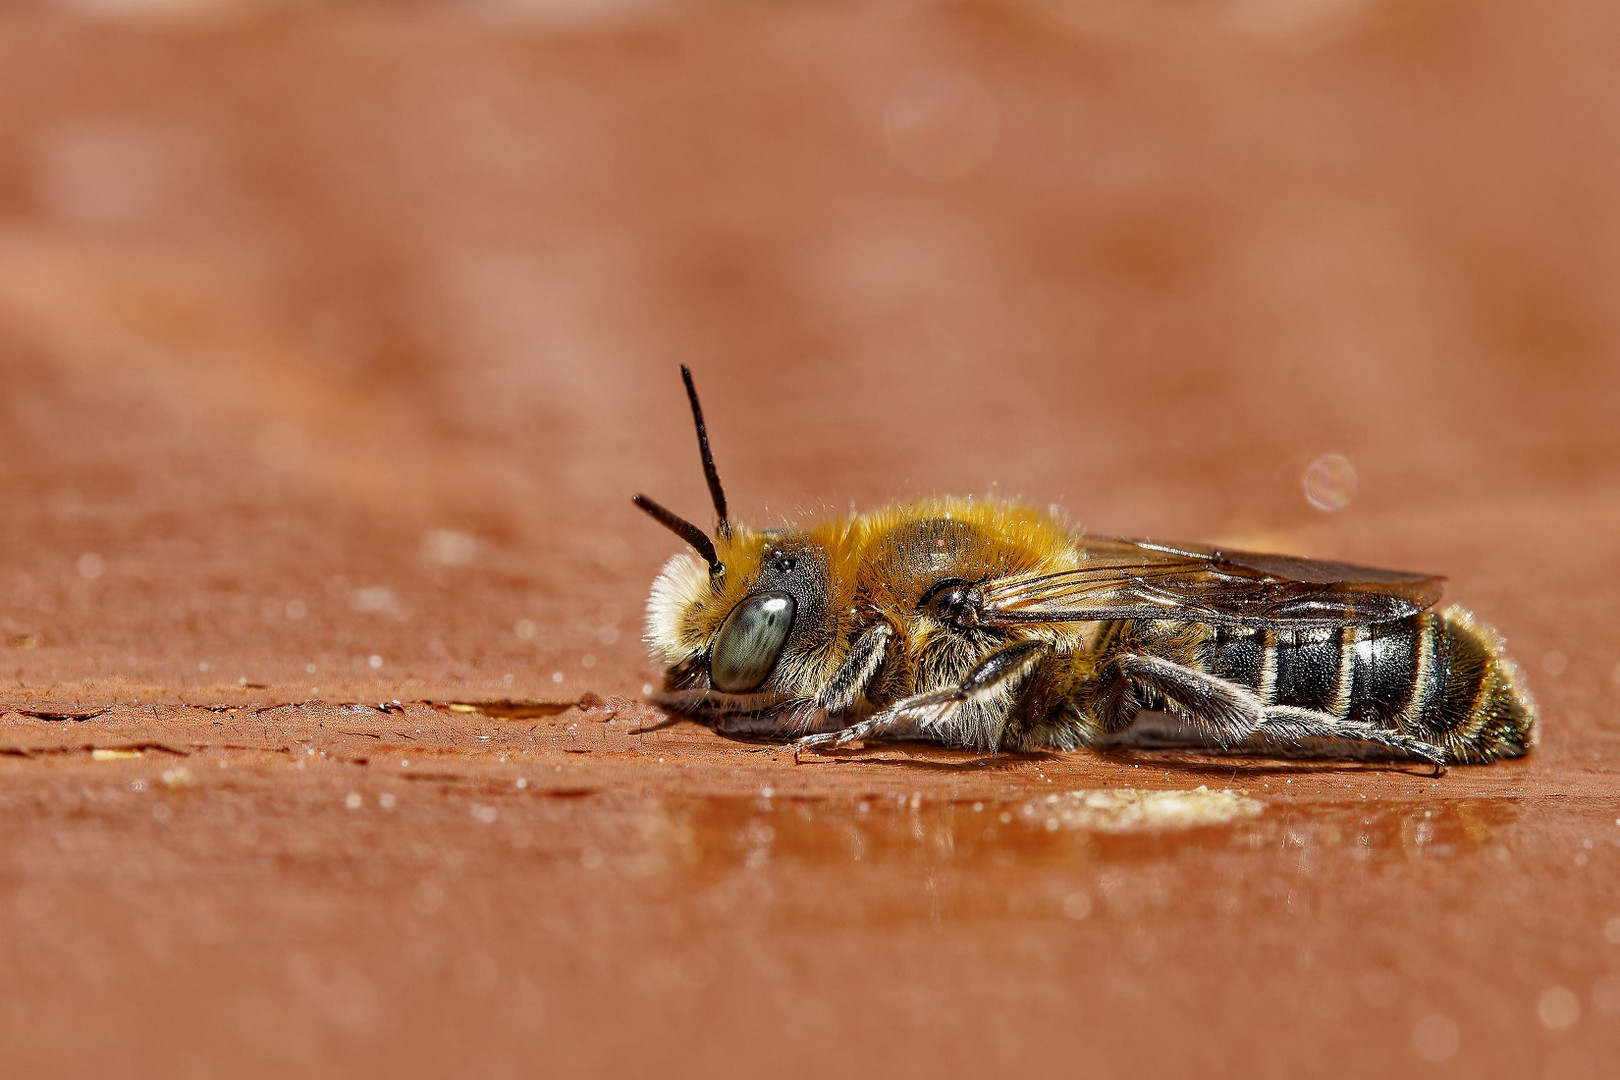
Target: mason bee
997	628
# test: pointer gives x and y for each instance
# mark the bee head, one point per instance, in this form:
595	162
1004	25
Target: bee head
725	623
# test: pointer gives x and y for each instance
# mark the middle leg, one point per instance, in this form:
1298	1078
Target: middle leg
940	715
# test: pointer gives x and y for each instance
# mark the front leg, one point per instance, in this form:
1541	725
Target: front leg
942	715
763	716
848	684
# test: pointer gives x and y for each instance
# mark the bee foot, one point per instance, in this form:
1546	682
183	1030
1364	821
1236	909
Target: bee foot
811	742
832	739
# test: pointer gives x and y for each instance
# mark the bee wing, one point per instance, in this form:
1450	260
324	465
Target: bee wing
1140	579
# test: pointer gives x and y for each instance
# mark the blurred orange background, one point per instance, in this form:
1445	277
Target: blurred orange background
334	338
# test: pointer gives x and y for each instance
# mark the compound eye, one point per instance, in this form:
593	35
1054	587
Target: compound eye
750	642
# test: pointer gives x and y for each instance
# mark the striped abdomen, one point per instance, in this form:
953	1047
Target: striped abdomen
1442	678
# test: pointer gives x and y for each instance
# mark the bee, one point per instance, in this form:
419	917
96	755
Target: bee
996	627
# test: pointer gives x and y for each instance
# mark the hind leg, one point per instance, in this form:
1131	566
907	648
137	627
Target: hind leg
1287	724
1217	710
1228	714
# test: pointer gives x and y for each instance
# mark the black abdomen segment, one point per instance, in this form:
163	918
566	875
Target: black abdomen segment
1302	668
1442	679
1389	661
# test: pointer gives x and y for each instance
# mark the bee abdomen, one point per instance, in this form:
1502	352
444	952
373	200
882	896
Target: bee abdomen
1443	678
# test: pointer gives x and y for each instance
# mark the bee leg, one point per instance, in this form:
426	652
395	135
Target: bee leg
859	668
931	715
1285	723
1216	708
766	717
779	722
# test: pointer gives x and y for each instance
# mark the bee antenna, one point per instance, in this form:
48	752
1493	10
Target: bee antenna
685	530
716	492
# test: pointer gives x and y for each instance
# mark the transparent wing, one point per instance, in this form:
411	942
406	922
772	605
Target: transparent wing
1140	579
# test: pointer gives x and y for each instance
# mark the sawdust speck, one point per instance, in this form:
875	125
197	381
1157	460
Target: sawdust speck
1133	810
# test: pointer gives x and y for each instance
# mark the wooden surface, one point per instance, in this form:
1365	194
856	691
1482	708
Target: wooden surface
333	340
